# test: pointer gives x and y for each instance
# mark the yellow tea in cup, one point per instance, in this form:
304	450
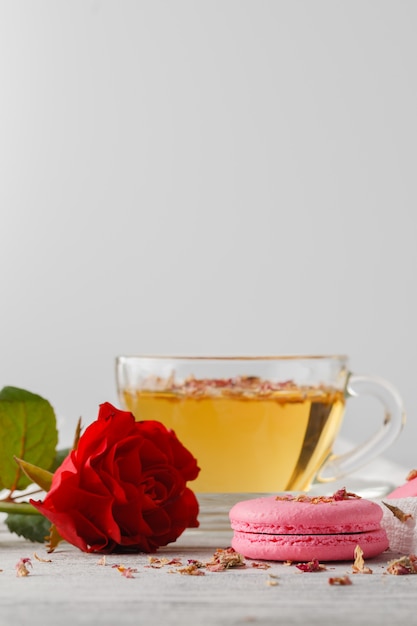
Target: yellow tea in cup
246	439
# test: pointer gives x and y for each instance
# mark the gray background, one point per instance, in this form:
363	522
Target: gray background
206	177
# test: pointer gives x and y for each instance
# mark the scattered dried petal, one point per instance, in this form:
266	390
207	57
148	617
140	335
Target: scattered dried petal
225	559
237	386
402	566
271	582
340	580
38	558
195	562
311	566
157	563
341	494
398	513
102	561
359	566
21	567
127	572
261	566
22	570
190	570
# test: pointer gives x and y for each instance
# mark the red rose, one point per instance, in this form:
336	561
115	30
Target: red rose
124	487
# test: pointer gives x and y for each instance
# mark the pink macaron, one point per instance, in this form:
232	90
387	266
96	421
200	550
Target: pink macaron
407	490
303	528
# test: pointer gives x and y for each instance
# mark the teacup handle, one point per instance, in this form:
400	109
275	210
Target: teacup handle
338	465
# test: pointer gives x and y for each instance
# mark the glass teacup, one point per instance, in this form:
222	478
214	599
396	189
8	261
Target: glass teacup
257	425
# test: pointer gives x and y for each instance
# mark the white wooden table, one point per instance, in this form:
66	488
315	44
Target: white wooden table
74	589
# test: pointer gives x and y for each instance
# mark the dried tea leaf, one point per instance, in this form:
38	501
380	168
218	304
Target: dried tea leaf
27	430
398	513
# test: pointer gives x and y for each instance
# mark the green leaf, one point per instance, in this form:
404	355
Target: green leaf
27	430
33	527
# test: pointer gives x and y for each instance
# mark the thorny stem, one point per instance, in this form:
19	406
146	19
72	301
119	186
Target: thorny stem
8	504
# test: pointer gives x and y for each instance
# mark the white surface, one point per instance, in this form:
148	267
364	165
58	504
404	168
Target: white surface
223	176
74	589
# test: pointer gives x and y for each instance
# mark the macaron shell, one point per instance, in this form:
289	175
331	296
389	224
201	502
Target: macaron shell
408	490
291	516
309	547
